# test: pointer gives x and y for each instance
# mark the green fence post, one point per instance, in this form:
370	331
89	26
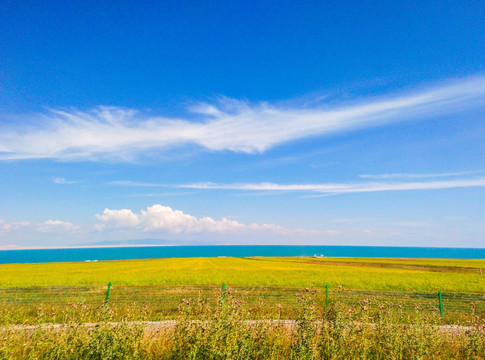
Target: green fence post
107	296
441	303
326	298
223	291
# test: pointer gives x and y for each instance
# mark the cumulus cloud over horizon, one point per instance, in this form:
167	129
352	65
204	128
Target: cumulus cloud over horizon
156	218
163	218
122	134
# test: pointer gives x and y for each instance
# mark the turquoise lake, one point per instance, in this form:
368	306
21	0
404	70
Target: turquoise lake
155	252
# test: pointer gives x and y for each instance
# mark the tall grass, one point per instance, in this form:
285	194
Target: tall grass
207	329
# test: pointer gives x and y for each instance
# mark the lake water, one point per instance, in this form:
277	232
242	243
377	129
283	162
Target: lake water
120	253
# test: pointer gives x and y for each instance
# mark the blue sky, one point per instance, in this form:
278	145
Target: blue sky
341	123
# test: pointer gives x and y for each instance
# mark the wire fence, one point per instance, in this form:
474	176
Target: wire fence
163	301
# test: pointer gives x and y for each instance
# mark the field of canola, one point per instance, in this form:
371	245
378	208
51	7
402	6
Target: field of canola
412	275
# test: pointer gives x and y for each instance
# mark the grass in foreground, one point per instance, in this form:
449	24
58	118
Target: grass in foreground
223	332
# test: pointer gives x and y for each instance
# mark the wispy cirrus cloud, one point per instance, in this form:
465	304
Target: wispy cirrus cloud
135	183
393	182
345	188
164	194
417	176
238	126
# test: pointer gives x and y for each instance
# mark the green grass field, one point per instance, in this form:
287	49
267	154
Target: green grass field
153	289
378	308
413	275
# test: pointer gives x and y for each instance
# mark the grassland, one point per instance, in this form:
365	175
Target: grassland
412	275
378	308
153	289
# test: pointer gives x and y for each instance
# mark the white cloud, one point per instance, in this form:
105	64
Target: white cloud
345	188
48	226
135	183
57	223
55	226
227	125
164	194
410	224
61	180
158	218
12	226
119	218
416	176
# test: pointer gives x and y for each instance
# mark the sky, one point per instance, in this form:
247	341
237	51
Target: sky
242	122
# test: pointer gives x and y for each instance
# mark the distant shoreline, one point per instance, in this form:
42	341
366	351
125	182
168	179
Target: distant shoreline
6	248
12	247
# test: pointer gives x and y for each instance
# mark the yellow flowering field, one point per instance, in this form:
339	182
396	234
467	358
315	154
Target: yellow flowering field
418	275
